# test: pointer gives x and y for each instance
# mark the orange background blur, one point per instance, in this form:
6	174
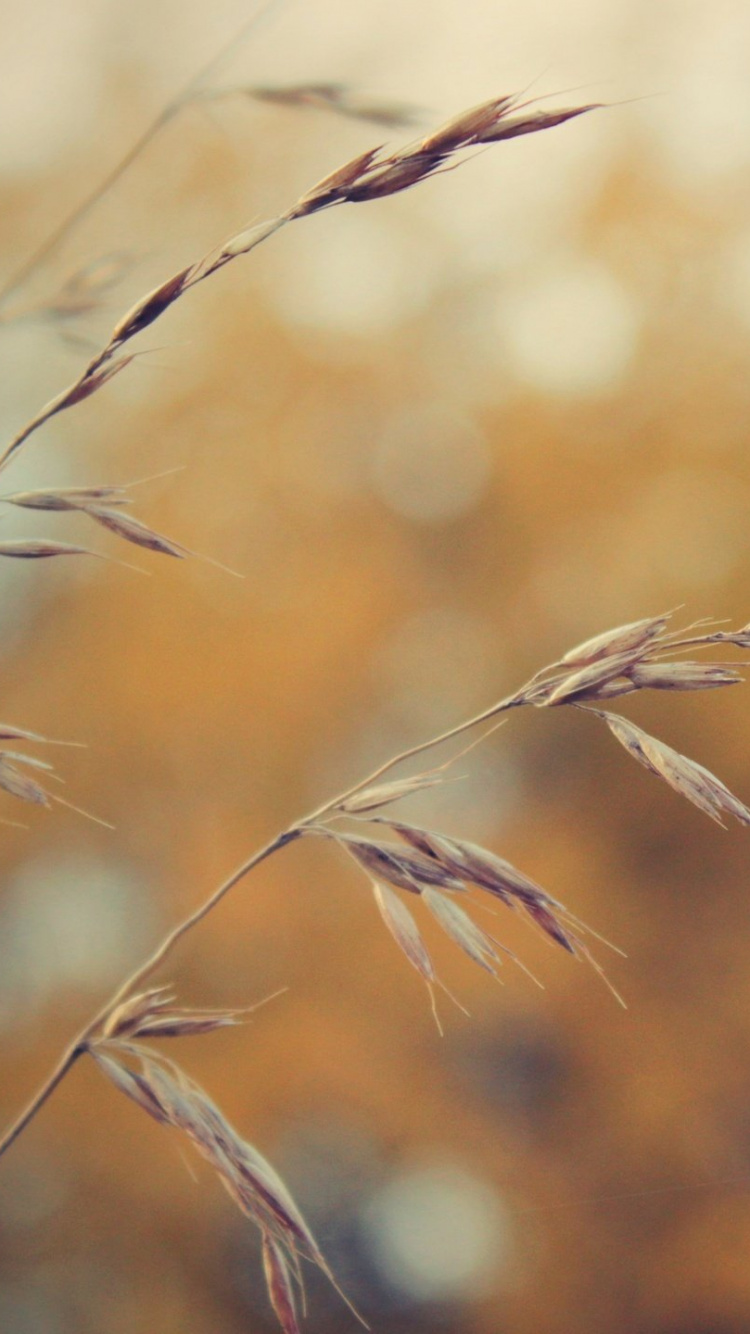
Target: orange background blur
444	436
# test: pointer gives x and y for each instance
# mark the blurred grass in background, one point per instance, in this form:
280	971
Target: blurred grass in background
445	437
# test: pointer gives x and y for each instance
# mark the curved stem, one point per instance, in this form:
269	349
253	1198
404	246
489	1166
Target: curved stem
78	1046
511	702
144	970
181	98
67	1060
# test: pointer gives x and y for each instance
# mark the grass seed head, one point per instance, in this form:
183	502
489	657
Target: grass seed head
467	127
39	549
636	635
149	307
404	930
163	1090
280	1284
407	870
682	676
690	779
530	122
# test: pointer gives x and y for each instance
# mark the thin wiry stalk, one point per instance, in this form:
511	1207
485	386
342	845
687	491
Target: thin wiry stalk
368	177
181	98
594	672
78	1046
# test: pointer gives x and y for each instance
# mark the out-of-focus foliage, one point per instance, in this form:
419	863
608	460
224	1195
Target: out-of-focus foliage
444	437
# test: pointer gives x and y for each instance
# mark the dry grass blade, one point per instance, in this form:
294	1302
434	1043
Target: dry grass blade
393	176
531	122
151	306
404	930
125	1018
39	549
374	798
245	241
683	676
367	177
67	498
636	635
186	1023
462	929
163	1090
334	186
131	1083
468	862
9	733
589	682
280	1284
406	934
20	785
686	776
467	126
406	870
101	373
336	98
135	531
153	1013
32	760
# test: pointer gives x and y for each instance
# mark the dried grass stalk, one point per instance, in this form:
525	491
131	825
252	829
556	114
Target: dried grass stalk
686	776
166	1093
368	177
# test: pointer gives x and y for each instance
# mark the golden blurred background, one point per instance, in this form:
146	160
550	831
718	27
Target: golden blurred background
444	436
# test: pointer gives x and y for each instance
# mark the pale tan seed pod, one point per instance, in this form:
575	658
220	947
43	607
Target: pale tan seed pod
334	186
280	1284
530	122
636	635
38	549
185	1023
467	126
133	530
468	862
20	785
405	870
399	173
685	776
244	242
682	676
404	930
166	1093
131	1083
585	682
10	733
462	929
373	798
149	307
68	498
124	1020
87	385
